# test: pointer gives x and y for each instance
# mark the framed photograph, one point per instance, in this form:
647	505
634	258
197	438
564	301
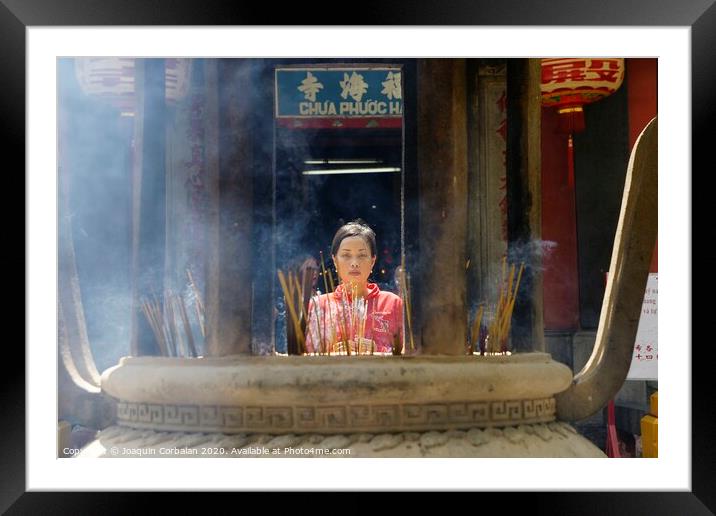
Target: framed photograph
43	42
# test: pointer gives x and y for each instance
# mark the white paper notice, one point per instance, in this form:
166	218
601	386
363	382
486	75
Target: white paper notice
646	351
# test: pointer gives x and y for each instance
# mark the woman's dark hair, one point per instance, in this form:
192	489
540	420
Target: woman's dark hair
355	228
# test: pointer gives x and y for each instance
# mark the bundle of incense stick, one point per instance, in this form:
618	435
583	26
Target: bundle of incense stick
198	303
162	316
499	327
154	314
324	330
179	301
475	331
293	296
362	312
343	330
353	318
405	294
327	276
319	331
331	328
344	321
482	338
358	317
346	329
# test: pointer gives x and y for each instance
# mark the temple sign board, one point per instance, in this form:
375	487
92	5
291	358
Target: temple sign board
339	93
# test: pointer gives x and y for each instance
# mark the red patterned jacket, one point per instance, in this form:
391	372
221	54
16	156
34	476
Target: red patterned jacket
335	315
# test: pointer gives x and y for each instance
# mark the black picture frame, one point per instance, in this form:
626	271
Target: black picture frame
699	15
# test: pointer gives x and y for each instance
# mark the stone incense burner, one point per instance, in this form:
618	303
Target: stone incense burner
415	405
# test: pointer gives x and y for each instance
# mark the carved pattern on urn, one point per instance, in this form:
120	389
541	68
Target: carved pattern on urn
335	418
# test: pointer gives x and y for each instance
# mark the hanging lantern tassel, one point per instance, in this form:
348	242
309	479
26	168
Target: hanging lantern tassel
571	120
570	162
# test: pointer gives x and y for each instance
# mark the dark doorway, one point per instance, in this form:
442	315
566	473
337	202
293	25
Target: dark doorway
327	177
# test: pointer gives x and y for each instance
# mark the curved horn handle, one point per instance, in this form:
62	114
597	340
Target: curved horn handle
607	368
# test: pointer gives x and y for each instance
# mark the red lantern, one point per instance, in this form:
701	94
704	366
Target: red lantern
112	78
570	83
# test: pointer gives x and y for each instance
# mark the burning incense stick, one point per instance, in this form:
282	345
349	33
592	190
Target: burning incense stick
198	303
332	339
171	319
354	315
154	324
475	333
298	292
330	280
291	308
509	284
187	327
345	325
338	328
511	305
158	313
291	285
320	335
405	290
323	273
364	318
161	317
498	330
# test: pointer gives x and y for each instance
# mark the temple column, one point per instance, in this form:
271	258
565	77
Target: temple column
230	186
148	198
442	169
524	199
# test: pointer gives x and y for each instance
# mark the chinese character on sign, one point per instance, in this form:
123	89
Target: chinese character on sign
503	207
310	86
580	70
502	130
563	71
606	69
502	102
354	86
391	86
